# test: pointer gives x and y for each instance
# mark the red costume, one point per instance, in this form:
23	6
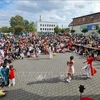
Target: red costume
11	75
69	44
93	70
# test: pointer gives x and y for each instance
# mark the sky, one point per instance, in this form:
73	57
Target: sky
60	11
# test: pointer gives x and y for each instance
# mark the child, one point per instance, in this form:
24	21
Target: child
21	55
28	54
1	74
5	73
70	65
91	71
11	76
33	54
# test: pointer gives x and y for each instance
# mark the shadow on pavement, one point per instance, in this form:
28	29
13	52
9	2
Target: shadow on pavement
51	80
57	79
38	59
20	94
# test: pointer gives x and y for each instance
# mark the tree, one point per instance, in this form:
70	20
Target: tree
72	31
62	30
4	29
98	31
17	20
84	30
57	29
19	29
67	30
19	24
31	27
11	29
26	25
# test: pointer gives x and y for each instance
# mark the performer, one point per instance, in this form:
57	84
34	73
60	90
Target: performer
71	71
91	71
50	52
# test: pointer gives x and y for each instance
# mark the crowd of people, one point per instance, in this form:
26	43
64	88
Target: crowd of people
31	45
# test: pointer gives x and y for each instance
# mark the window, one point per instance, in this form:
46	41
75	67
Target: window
45	28
91	17
40	28
79	20
99	17
40	24
45	24
83	19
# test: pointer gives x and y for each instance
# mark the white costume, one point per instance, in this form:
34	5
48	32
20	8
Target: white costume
50	53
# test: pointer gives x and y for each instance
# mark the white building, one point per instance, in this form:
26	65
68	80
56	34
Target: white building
45	27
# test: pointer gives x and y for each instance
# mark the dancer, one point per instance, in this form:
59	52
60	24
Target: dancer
90	70
50	51
70	65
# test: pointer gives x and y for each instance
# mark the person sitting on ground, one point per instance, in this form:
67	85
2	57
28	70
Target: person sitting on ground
86	52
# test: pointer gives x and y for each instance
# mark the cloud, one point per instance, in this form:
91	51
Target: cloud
58	11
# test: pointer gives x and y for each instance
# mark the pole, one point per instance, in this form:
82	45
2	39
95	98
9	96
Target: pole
62	26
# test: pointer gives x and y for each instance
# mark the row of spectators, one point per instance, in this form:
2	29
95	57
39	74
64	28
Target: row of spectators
15	47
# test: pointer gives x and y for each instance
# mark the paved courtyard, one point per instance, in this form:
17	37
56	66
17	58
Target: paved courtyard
42	79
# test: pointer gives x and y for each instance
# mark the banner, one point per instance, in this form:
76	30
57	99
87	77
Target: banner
94	27
98	26
83	27
89	27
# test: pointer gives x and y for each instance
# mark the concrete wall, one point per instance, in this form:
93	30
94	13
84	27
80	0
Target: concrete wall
90	32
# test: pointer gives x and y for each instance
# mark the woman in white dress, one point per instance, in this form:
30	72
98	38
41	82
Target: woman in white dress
50	52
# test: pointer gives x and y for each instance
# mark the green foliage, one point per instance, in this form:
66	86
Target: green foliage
4	29
72	31
62	30
11	29
19	29
84	30
57	29
18	24
67	30
17	20
98	31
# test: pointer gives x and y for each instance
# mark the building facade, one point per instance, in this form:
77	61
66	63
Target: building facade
45	27
90	22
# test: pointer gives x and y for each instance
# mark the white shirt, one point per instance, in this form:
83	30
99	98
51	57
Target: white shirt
2	52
